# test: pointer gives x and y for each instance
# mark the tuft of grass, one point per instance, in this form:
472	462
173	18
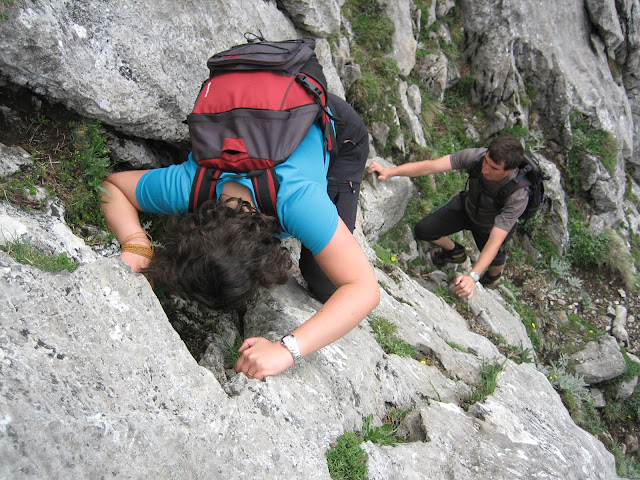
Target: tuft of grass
621	260
4	4
385	335
230	354
487	381
457	347
459	94
28	254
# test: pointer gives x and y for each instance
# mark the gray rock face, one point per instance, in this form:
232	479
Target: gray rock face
404	43
136	66
318	18
600	360
14	158
93	379
383	203
461	446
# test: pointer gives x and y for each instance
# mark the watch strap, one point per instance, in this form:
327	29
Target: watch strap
290	343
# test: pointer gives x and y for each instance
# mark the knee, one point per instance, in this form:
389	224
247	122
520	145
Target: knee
423	231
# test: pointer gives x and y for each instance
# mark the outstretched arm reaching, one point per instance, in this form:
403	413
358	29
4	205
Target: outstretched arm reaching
358	293
412	169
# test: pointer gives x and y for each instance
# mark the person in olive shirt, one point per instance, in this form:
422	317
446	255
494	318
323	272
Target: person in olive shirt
474	209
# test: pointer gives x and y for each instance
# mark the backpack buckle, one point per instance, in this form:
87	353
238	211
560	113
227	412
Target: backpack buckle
311	87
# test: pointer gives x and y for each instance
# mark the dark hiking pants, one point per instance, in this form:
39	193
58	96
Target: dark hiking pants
343	185
452	218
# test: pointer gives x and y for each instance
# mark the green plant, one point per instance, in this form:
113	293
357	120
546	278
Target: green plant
385	257
449	297
530	321
372	29
626	466
574	393
3	5
540	239
28	254
519	354
587	249
457	347
385	334
346	460
517	131
535	142
487	381
381	434
230	352
587	139
459	93
581	330
560	267
83	175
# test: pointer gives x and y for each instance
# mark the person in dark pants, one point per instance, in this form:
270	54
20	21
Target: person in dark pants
343	185
474	209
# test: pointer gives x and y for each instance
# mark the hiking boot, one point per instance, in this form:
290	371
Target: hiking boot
457	255
490	282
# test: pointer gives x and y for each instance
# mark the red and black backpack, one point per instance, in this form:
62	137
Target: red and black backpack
257	106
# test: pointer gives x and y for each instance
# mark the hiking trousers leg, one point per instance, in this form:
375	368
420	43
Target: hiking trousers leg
452	218
445	220
343	186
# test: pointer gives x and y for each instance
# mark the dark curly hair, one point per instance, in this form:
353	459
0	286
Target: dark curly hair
506	150
220	255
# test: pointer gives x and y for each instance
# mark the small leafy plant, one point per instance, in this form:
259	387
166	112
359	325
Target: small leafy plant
346	459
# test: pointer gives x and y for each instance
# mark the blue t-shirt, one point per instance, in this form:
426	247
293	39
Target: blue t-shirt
305	210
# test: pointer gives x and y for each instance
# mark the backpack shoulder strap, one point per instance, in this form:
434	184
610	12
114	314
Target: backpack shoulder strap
520	181
265	186
323	116
203	187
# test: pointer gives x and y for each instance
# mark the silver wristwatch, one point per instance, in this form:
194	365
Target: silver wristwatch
290	343
475	276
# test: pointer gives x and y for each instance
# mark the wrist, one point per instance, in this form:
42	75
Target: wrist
475	276
291	344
